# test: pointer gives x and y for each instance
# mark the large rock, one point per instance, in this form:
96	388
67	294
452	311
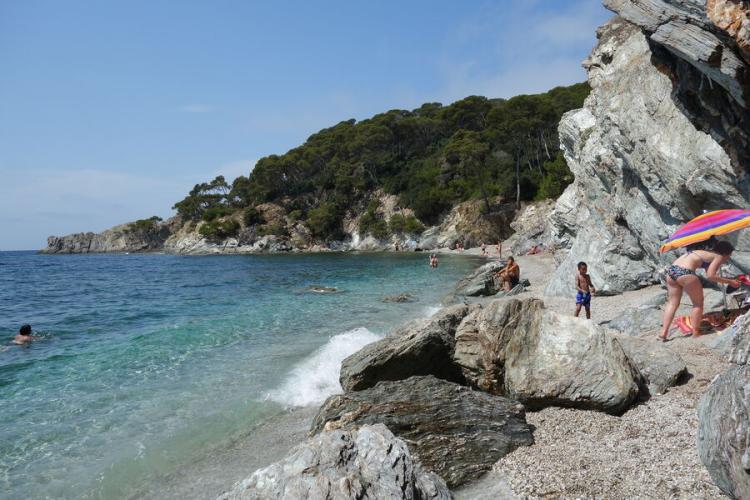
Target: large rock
661	137
368	463
454	431
661	368
481	282
422	347
724	431
724	414
144	236
636	320
519	349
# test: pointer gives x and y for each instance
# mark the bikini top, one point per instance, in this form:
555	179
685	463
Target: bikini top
704	264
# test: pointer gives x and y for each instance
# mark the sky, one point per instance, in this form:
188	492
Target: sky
112	111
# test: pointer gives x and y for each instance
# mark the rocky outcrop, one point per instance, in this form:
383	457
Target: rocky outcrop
661	137
367	463
423	347
130	237
481	282
468	223
541	358
530	228
659	367
454	431
724	412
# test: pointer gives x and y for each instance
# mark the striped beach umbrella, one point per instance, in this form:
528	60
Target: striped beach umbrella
704	226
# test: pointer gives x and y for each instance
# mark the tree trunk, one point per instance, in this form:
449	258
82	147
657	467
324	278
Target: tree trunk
541	132
518	178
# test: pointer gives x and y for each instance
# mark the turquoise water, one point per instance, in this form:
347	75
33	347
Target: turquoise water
150	362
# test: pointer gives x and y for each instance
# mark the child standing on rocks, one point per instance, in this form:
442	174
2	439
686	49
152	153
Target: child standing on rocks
585	288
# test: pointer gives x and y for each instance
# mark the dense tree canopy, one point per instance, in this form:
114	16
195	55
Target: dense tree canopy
431	157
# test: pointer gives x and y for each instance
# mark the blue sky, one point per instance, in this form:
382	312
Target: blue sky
112	111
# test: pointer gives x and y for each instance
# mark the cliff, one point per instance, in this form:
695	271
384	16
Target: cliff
661	137
138	236
280	232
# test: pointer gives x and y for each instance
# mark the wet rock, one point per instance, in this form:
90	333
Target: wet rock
661	368
367	463
454	431
422	347
402	297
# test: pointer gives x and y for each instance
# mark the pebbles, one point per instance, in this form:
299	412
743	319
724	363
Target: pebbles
649	452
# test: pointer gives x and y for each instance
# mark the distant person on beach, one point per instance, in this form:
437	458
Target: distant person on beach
584	288
509	275
24	336
710	256
484	249
499	248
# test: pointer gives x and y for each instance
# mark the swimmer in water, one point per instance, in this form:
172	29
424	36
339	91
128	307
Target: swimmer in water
24	336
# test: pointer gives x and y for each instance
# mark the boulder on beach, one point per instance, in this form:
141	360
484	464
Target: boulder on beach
541	358
636	320
454	431
422	347
481	282
724	415
660	368
366	463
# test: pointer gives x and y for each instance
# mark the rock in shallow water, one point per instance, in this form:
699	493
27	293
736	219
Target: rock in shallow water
454	431
422	347
368	463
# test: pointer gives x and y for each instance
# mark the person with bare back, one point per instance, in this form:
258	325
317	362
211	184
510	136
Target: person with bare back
585	288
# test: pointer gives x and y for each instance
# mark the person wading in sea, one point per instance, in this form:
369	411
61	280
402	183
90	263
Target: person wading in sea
24	336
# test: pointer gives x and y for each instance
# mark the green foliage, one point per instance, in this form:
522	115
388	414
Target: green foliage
216	212
325	221
557	176
273	229
431	157
251	216
295	215
144	225
219	229
371	222
400	224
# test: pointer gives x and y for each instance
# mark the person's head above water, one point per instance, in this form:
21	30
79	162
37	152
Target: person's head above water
25	330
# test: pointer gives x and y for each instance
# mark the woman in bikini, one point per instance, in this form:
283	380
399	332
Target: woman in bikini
710	256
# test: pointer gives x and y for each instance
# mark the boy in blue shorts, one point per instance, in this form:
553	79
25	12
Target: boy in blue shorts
585	289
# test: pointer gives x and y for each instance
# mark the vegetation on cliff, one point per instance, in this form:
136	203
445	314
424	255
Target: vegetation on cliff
432	158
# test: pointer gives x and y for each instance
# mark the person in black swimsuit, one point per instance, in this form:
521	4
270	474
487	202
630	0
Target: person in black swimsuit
710	256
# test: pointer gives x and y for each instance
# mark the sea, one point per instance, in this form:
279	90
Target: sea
163	376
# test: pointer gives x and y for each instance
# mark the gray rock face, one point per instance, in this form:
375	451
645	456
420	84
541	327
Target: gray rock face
636	320
122	238
567	361
641	165
724	413
519	349
724	431
481	282
368	463
454	431
661	368
423	347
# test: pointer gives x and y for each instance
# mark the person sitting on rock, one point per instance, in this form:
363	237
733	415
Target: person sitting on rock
710	256
24	336
509	275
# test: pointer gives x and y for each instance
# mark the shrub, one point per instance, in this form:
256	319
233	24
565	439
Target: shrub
216	212
325	221
273	229
400	224
372	223
219	230
252	216
295	215
144	225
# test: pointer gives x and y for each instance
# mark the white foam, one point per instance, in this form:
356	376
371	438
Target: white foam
317	377
431	310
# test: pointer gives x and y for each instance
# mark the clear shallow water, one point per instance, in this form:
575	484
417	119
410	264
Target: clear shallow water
151	362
